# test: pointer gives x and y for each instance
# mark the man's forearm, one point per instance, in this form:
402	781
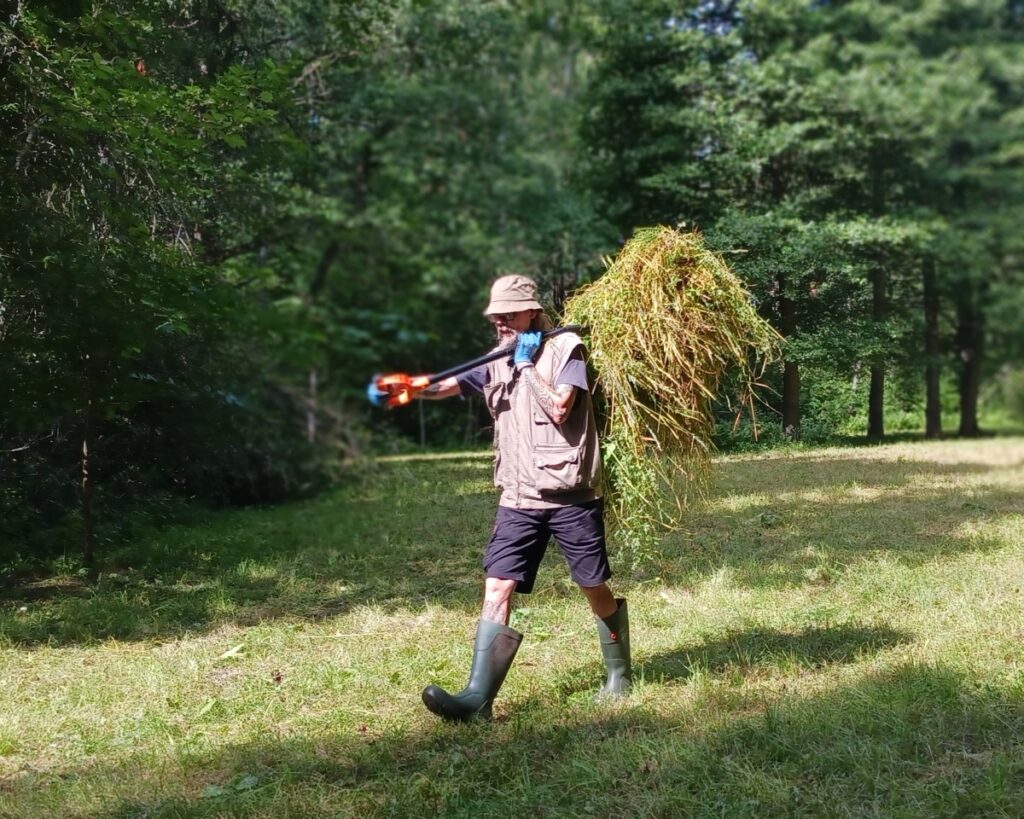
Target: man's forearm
555	401
442	389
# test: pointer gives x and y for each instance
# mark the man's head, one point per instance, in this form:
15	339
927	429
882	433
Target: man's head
513	306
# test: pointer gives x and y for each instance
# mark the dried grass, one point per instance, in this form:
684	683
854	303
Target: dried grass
670	327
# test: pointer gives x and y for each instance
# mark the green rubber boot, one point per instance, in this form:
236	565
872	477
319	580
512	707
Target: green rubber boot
614	634
495	649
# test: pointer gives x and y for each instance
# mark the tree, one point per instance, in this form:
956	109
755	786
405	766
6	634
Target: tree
115	166
828	128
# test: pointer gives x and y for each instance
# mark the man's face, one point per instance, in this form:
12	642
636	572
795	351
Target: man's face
508	324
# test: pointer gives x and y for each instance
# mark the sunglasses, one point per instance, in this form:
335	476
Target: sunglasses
507	318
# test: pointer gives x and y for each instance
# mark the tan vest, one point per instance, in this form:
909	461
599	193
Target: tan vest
539	464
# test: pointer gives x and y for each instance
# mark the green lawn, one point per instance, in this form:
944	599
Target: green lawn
839	633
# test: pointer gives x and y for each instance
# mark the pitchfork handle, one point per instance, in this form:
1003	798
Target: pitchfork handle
494	355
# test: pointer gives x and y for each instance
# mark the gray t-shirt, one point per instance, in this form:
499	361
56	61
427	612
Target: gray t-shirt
574	373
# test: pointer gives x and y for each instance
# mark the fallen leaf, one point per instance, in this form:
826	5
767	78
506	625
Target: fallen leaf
207	707
234	651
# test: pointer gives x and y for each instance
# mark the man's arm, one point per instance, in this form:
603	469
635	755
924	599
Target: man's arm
442	389
555	401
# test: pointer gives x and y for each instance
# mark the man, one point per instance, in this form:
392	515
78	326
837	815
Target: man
548	466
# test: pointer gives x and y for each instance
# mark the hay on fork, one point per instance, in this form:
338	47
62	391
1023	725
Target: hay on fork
670	326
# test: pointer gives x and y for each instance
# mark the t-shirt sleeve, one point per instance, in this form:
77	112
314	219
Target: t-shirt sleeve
474	381
574	371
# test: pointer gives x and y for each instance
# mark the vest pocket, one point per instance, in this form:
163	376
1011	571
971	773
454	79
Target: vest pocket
496	398
557	467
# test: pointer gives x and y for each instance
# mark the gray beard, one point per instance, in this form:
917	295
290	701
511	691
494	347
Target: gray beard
505	341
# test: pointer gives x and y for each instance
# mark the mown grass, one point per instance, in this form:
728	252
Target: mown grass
837	633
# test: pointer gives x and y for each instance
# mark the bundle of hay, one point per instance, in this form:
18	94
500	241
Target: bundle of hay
670	324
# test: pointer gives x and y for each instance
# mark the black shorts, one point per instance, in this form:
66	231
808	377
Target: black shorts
521	537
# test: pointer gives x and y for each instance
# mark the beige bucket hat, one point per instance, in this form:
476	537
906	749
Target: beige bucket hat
512	294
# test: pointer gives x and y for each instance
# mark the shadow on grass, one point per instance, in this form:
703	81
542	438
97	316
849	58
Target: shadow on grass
413	536
410	535
914	741
740	652
806	519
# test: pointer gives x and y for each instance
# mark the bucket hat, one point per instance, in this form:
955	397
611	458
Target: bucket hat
512	294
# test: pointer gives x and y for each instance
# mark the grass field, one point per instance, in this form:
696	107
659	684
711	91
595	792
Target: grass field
839	633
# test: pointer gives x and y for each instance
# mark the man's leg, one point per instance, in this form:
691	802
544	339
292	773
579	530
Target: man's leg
613	633
579	531
510	562
493	651
602	601
497	600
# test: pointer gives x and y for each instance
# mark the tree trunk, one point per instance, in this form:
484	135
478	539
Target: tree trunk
876	395
323	267
470	434
311	407
791	370
316	285
791	400
876	401
88	487
932	400
970	338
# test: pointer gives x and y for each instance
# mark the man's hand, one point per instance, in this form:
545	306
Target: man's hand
527	346
375	396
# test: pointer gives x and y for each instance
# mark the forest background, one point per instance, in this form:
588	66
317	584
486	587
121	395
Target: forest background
218	219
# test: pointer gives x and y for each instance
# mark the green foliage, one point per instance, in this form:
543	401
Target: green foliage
127	186
1005	393
831	148
219	219
223	218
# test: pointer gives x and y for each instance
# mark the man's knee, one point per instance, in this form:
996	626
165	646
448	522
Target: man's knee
499	588
599	591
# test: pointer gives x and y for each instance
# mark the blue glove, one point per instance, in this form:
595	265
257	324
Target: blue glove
375	396
527	345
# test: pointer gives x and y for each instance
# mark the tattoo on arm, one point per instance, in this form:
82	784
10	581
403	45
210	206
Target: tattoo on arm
552	401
